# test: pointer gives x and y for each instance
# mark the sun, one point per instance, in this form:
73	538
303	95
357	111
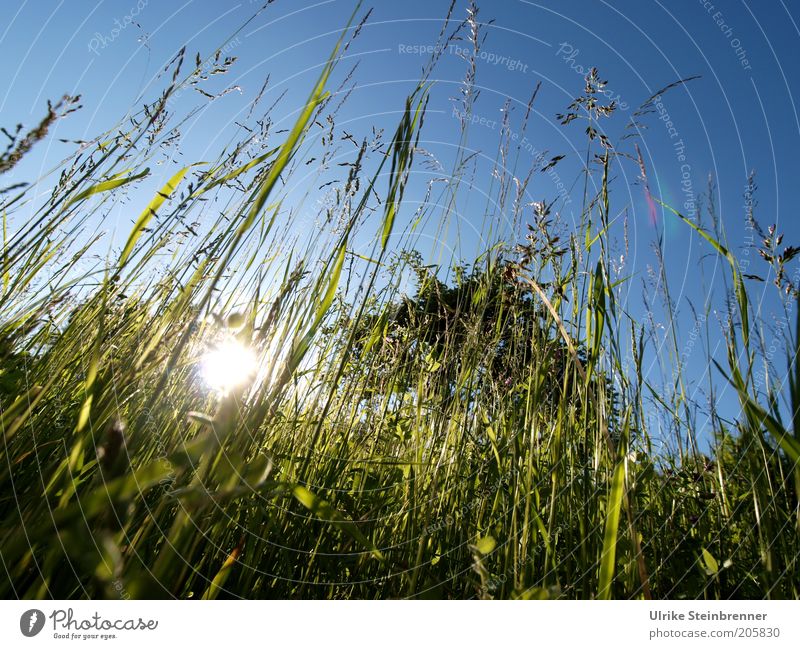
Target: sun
229	365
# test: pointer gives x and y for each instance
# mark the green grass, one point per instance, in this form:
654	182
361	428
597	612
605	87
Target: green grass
488	436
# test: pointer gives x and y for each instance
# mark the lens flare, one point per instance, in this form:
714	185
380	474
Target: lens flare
228	366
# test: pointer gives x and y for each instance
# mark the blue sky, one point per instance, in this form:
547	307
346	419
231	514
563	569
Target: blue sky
741	115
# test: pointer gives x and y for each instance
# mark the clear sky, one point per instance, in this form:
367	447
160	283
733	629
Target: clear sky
741	115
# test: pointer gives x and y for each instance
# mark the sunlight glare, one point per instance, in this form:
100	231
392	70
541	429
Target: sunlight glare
229	365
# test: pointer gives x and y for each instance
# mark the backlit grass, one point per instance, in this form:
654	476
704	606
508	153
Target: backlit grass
222	407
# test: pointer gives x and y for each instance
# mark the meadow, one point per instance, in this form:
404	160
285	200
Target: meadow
220	407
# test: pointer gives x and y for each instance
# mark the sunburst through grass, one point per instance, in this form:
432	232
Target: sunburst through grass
229	365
